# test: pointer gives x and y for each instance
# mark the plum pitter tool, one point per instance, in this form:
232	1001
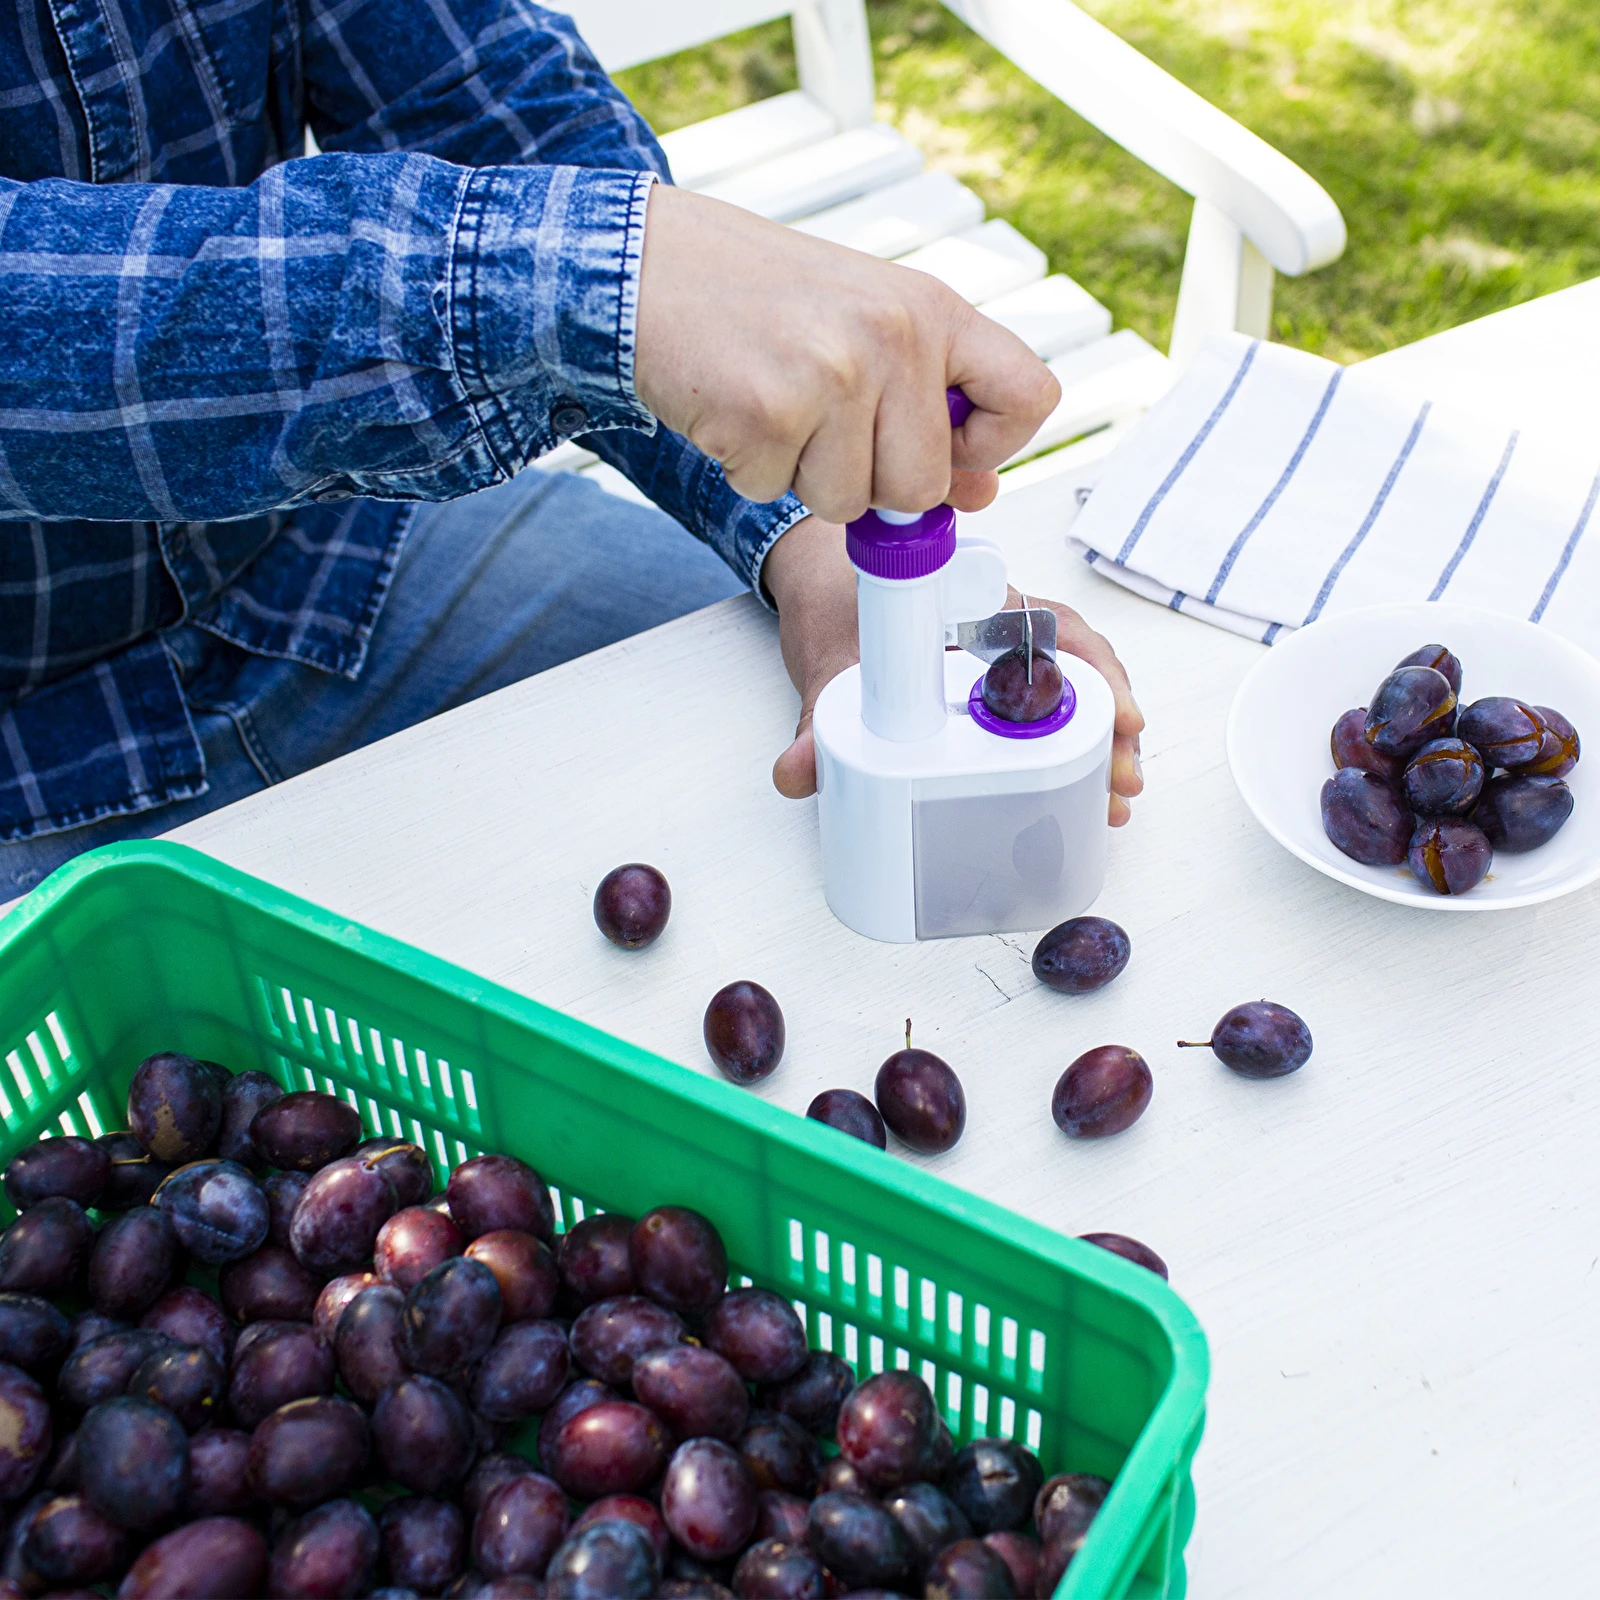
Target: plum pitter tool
936	816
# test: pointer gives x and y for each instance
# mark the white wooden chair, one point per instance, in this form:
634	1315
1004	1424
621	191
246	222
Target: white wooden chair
816	158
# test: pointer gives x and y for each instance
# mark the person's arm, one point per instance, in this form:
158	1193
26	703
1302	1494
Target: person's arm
344	325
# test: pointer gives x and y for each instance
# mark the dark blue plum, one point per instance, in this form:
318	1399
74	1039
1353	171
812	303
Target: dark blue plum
1518	813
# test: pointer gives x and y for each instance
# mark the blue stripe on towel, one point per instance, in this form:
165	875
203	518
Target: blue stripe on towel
1477	519
1189	453
1361	533
1277	489
1566	555
1270	636
1176	602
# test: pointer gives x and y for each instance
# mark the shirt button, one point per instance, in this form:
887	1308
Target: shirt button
567	417
331	496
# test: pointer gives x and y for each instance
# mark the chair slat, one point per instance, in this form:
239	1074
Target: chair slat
840	168
1051	316
706	151
895	220
981	263
624	33
1103	382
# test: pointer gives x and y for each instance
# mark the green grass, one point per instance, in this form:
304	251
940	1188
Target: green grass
1461	139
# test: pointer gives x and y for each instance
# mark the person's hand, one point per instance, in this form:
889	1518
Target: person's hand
801	365
813	586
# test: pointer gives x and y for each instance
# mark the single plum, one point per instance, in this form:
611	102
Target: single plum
33	1333
612	1447
1019	687
523	1373
612	1560
132	1263
995	1482
268	1286
1506	732
1412	705
451	1317
25	1432
524	1267
221	1557
133	1462
921	1099
337	1221
594	1258
1444	778
1440	659
1081	955
679	1259
632	905
1518	813
813	1395
890	1430
216	1209
1105	1091
859	1542
1365	819
779	1569
708	1499
852	1113
308	1451
1348	742
488	1193
520	1526
1449	855
744	1032
693	1390
329	1550
1559	749
67	1165
305	1130
174	1107
423	1435
1119	1244
1259	1039
758	1332
243	1097
186	1379
46	1249
424	1543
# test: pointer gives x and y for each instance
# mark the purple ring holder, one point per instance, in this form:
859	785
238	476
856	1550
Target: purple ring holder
914	549
1059	718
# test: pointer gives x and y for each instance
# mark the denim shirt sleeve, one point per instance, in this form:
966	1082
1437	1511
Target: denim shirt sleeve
529	90
393	326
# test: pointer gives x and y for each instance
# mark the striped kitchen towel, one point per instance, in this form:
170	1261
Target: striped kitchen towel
1271	487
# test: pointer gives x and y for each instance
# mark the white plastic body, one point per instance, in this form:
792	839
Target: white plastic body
964	831
902	627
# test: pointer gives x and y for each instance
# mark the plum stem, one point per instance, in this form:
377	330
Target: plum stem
1194	1044
908	1033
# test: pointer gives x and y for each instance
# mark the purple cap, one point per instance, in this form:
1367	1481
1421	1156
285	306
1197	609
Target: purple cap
885	549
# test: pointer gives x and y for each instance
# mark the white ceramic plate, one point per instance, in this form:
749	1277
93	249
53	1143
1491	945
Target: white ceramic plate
1284	711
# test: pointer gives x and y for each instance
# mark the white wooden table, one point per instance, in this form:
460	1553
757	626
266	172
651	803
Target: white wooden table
1395	1253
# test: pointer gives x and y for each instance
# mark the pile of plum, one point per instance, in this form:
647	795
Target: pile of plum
340	1410
1424	781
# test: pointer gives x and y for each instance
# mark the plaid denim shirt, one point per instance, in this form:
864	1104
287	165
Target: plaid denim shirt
226	377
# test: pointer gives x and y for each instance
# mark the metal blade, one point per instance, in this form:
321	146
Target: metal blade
991	638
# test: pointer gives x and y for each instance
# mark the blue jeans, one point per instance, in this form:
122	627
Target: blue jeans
489	589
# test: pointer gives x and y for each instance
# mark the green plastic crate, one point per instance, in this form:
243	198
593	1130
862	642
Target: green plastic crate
1020	1332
